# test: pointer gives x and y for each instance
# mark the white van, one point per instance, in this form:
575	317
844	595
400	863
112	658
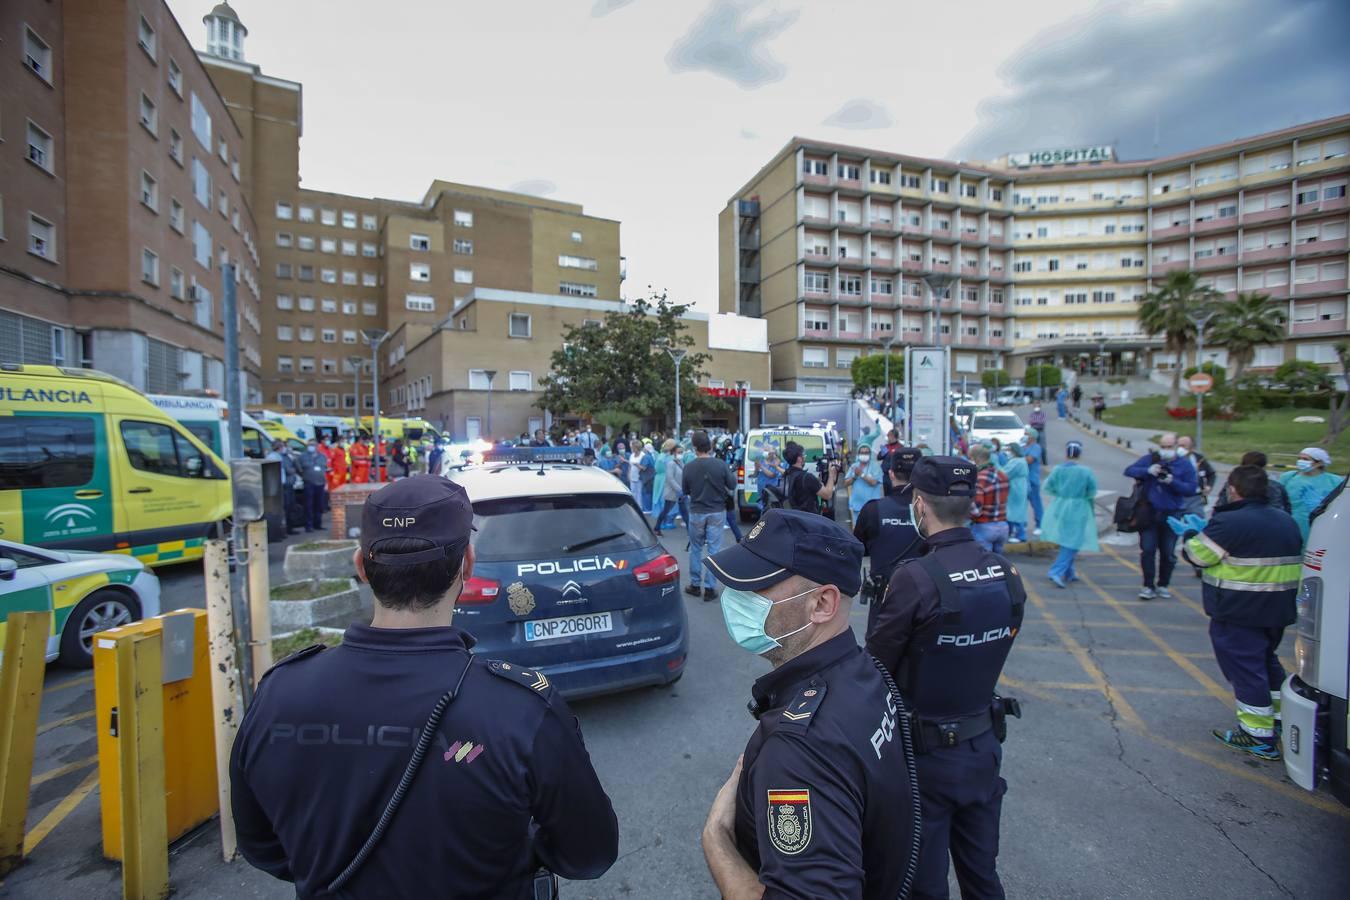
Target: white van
207	419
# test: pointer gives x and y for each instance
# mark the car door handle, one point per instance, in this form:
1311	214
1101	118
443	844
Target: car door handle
140	490
88	495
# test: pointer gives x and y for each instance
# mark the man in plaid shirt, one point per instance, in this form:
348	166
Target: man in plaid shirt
989	509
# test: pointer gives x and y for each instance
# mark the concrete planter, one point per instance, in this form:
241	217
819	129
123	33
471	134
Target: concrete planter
327	559
309	612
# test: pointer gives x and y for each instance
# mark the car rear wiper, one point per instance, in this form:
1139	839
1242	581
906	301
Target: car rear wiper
581	545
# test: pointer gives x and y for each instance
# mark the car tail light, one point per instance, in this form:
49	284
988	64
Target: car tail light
479	591
663	569
740	473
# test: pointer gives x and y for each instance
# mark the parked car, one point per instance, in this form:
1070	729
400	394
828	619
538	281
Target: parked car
85	593
569	579
1003	424
965	409
1015	395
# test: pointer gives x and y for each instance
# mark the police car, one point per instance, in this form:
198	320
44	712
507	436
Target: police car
569	579
85	593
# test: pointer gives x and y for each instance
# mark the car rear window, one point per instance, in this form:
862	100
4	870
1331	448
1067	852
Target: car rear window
813	445
546	527
997	421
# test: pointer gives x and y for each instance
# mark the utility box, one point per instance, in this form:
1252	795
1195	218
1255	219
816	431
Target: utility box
189	735
256	484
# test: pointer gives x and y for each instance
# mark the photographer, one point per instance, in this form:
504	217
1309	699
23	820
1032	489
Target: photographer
1168	481
500	781
804	490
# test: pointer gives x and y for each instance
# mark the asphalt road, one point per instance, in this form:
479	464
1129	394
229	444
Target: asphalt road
1116	788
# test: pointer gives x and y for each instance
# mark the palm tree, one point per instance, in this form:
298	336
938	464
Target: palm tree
1167	311
1246	323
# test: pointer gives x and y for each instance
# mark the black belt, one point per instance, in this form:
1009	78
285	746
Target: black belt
934	734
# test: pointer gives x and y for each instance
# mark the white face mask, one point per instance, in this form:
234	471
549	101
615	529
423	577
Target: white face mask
1168	453
1182	451
916	519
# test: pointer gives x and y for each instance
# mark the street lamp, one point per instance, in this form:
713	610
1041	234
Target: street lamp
491	374
375	337
355	363
1199	318
742	406
937	283
677	355
886	346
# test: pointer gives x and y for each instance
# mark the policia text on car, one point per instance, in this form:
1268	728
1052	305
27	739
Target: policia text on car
944	630
499	783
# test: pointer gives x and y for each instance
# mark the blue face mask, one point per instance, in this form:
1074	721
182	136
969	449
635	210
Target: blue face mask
1304	464
745	613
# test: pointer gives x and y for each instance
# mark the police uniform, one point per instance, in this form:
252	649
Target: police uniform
824	806
944	631
506	786
886	530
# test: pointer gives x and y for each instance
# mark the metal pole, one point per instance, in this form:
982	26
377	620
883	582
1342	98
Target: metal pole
491	374
375	383
355	363
1200	397
243	618
678	360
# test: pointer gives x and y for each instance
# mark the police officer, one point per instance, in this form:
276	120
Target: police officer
505	784
886	530
944	630
824	803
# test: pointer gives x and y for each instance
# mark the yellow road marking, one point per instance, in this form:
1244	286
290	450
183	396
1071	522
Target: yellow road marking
59	813
1089	665
1093	624
1023	687
1110	651
64	770
1136	688
74	682
1185	664
1176	592
43	729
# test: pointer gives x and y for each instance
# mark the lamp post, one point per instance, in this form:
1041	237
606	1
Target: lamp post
1200	318
742	406
355	363
491	374
677	355
375	337
938	283
886	347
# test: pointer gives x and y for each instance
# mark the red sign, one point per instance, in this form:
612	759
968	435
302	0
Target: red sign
726	393
1200	383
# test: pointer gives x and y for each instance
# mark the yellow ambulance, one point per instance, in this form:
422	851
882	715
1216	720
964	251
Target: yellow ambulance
87	462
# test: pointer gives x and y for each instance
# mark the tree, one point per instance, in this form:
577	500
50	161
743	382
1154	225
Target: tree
1299	376
870	371
1167	310
995	378
1042	377
1251	320
1339	419
618	368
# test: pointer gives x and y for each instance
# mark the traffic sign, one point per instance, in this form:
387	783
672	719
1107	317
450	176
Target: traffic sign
1201	383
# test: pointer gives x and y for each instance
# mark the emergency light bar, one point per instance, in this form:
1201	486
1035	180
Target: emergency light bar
528	455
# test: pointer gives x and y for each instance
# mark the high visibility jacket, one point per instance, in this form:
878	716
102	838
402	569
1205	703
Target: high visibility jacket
338	464
1251	554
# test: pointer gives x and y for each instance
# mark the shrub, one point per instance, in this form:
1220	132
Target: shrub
1043	376
1302	376
995	378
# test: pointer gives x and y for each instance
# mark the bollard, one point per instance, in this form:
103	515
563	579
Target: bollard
259	600
140	730
20	696
227	704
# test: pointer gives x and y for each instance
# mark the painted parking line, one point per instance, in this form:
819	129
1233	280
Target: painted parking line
1127	688
1110	651
59	813
1126	625
68	683
76	766
68	720
1176	591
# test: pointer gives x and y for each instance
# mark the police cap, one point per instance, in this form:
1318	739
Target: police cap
426	508
944	476
902	459
789	542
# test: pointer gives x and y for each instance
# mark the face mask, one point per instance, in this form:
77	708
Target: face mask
865	459
1182	451
1304	464
1167	453
745	613
914	517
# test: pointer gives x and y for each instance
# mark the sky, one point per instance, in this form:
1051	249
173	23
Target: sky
655	112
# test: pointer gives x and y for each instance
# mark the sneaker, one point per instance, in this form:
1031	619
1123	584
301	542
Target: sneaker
694	591
1147	594
1164	594
709	594
1058	582
1262	748
1037	532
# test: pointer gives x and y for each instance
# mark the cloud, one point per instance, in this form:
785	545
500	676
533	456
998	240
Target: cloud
537	187
605	7
729	40
1199	73
860	113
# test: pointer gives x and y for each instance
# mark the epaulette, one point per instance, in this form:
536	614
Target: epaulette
302	653
803	707
527	678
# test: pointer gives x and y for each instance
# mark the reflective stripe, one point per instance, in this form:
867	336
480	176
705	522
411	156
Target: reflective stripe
1258	721
1255	586
1203	551
1265	561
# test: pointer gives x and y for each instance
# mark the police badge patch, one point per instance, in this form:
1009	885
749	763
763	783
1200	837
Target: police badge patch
790	820
520	598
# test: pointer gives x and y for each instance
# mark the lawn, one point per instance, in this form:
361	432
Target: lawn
1273	431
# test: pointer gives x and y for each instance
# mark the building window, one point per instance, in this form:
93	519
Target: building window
284	239
307	401
149	115
349	307
306	213
40	148
304	242
880	176
285	301
329	366
285	365
306	364
306	304
420	242
305	273
328	335
369	279
463	218
419	271
307	333
849	172
149	191
576	289
175	146
223	203
463	247
348	219
577	262
175	78
283	270
327	245
285	333
286	399
145	38
349	337
521	381
369	308
201	183
177	283
817	282
519	325
368	249
463	276
328	305
349	248
815	357
940	185
368	222
348	276
150	267
327	216
420	302
37	56
330	401
201	247
41	237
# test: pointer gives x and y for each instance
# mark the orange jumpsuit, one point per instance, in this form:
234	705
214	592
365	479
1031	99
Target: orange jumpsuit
337	467
360	463
381	471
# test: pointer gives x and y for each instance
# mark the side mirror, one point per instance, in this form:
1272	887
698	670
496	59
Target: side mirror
7	569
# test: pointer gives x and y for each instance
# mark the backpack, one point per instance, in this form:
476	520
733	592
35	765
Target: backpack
1134	513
